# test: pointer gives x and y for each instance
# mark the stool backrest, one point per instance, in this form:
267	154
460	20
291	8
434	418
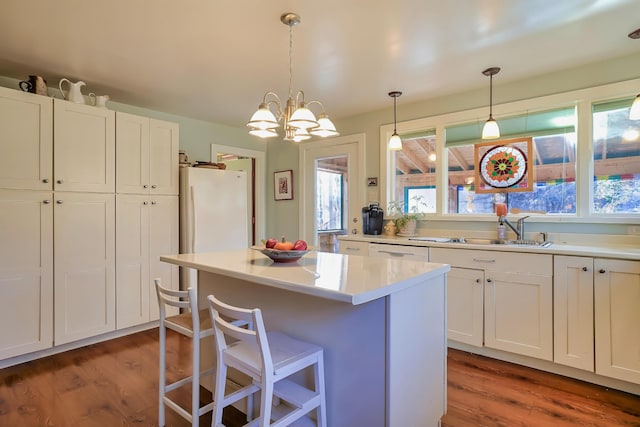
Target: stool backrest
225	320
180	299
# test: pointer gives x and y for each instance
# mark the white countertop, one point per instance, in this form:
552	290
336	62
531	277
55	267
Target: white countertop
348	278
602	250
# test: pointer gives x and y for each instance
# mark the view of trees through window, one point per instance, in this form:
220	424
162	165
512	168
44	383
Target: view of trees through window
616	163
329	200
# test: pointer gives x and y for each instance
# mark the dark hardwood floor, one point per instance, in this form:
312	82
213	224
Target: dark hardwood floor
115	384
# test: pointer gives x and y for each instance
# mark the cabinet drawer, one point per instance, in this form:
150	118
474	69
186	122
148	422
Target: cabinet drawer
350	247
413	253
512	262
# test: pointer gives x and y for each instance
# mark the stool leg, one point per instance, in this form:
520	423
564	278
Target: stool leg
266	400
195	383
162	379
219	397
318	371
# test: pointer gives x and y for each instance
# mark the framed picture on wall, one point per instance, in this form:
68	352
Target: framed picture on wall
503	166
283	185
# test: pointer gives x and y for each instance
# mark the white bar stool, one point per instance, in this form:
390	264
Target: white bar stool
268	358
195	325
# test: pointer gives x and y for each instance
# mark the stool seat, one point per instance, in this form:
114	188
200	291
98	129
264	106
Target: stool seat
183	323
269	358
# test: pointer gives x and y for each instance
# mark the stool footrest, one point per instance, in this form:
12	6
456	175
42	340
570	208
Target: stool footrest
294	393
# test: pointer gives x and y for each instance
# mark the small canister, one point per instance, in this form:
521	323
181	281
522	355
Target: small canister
390	228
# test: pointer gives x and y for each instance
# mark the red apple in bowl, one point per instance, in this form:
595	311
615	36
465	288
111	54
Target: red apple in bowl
270	243
300	245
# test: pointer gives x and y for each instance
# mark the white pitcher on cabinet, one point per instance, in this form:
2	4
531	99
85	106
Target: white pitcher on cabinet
73	94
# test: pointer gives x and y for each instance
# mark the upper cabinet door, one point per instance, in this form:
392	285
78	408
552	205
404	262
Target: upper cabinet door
25	140
132	154
84	148
163	157
147	155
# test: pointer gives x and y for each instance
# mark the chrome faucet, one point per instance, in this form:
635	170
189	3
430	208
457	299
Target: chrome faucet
518	229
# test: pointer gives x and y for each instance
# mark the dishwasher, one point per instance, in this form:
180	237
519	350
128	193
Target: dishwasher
412	253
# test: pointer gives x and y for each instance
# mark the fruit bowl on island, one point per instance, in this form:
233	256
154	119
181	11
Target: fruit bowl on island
283	251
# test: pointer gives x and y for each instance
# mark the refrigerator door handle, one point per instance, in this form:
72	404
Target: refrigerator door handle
192	223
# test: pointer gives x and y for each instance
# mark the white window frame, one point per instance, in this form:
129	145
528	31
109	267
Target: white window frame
582	99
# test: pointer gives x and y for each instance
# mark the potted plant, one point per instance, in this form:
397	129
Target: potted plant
406	214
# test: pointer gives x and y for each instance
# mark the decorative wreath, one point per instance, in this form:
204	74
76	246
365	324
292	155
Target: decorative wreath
503	166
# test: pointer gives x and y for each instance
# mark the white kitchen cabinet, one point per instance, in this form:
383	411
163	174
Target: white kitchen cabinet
147	155
351	247
573	312
84	148
26	140
84	246
26	272
465	305
518	299
147	227
617	318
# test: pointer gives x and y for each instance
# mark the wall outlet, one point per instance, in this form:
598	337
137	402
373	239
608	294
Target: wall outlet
633	229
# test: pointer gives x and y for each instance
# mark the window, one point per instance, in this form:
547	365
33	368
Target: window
616	158
415	168
553	160
329	200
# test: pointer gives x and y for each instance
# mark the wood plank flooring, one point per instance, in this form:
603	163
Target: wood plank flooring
115	384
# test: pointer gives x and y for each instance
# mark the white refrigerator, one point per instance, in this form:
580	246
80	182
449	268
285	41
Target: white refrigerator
213	213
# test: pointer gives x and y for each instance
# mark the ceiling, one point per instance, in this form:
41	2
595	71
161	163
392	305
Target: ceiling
214	59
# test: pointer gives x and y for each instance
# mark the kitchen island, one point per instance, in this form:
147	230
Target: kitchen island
381	322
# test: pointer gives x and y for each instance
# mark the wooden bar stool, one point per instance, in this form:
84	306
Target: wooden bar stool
268	358
195	325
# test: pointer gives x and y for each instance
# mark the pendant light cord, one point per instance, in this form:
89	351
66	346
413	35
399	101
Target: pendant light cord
394	115
491	96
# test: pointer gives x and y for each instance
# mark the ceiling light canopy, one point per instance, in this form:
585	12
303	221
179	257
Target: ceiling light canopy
491	129
299	122
395	143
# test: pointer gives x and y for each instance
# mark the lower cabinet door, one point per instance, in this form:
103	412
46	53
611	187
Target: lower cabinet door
465	302
26	272
617	318
519	313
84	247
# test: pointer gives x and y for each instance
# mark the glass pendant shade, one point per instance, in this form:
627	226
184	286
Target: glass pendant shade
263	133
490	129
325	127
303	118
395	143
301	135
263	118
634	112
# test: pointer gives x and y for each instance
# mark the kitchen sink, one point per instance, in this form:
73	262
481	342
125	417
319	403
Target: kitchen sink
480	241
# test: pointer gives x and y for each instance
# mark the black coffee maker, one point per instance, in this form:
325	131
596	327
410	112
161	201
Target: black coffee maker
372	216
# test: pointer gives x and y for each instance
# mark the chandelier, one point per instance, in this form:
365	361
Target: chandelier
299	122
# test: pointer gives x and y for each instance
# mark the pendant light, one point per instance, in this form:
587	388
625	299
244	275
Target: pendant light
491	129
395	143
634	112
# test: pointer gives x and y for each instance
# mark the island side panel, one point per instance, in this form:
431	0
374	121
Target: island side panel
353	338
417	362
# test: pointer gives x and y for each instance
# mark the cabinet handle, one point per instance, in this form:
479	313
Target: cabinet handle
60	181
352	249
602	271
478	281
145	186
153	202
484	260
585	269
59	202
145	203
46	202
46	180
154	186
489	280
